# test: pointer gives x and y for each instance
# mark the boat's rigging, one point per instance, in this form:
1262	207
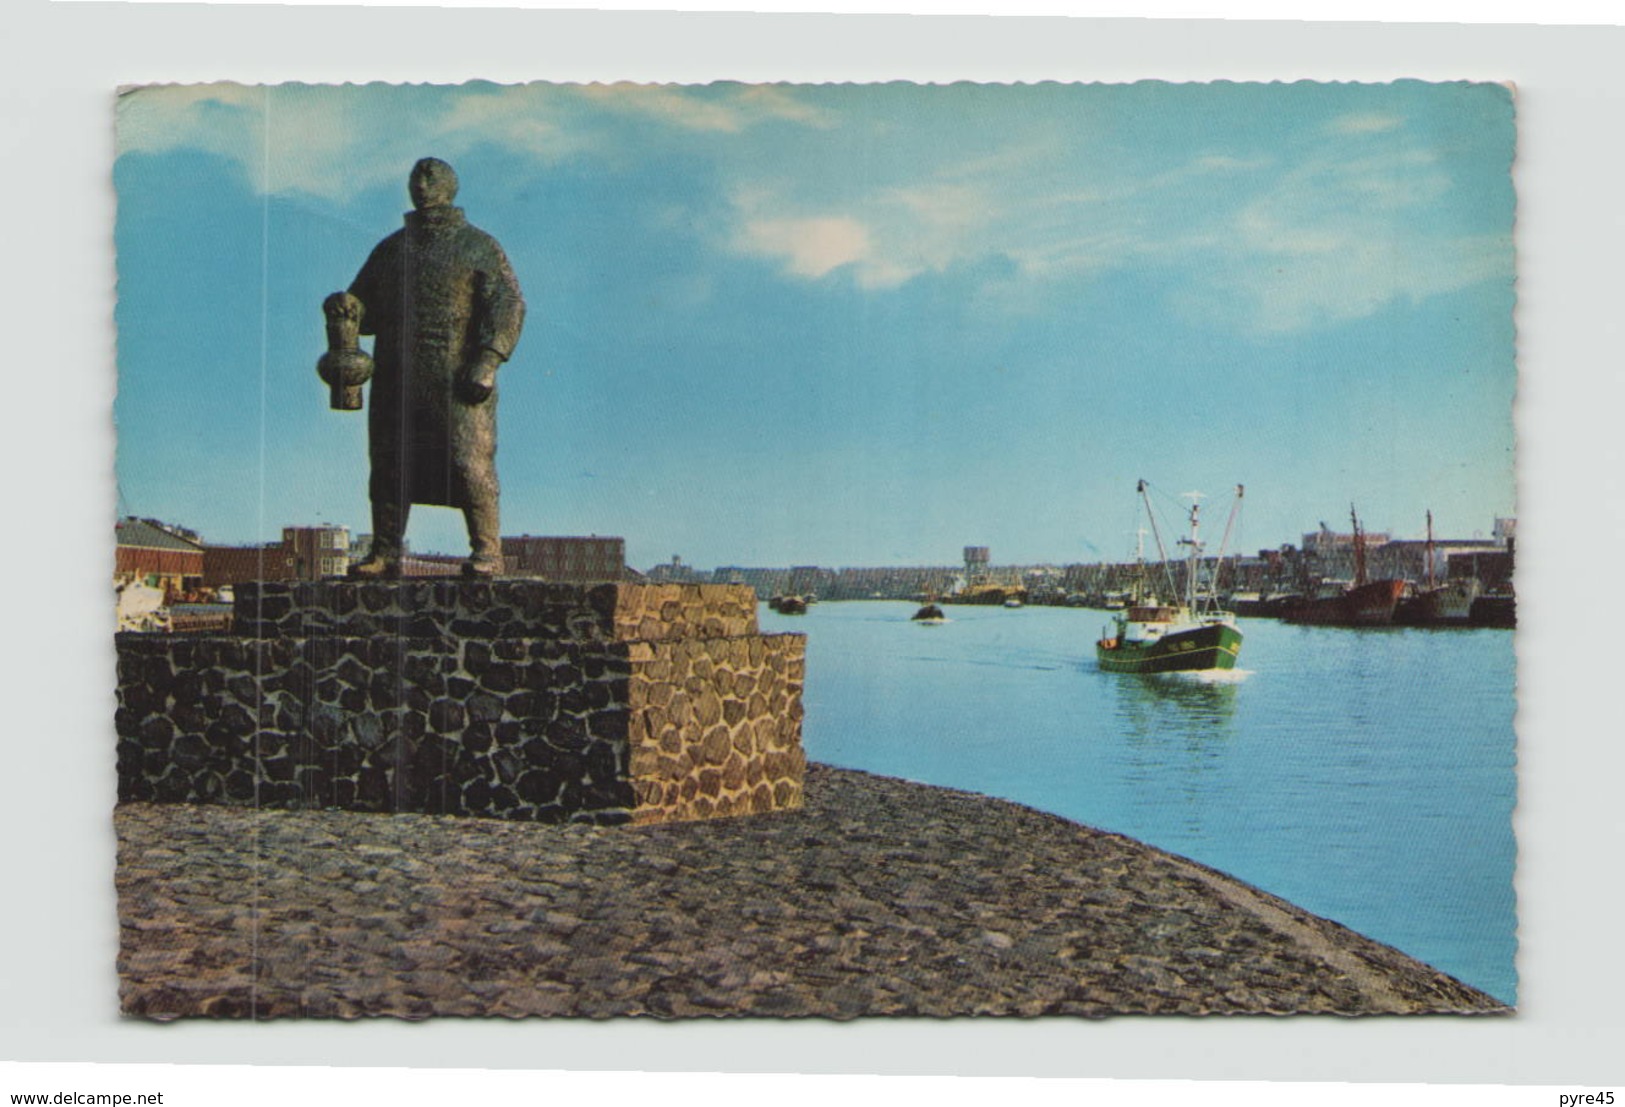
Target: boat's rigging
1194	560
1229	528
1162	552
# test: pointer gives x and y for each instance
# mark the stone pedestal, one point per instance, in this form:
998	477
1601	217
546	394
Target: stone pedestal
512	699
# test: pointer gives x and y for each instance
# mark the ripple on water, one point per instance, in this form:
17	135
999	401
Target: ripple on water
1367	776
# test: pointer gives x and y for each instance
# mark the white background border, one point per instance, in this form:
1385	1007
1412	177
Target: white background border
57	924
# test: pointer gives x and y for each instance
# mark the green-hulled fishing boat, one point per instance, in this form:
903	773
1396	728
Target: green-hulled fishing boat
1151	637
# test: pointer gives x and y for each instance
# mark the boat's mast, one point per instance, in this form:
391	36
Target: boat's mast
1193	562
1430	549
1139	562
1195	558
1359	549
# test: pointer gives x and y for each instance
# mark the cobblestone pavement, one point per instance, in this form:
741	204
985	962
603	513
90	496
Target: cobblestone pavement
881	897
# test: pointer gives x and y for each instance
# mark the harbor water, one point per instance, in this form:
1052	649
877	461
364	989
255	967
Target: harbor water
1365	775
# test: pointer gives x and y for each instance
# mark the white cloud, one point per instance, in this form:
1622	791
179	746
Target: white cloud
528	119
1364	123
332	142
1053	258
666	104
888	236
284	138
935	225
221	119
1009	159
1202	166
1053	224
730	110
1269	244
1334	240
810	247
1261	245
1346	279
776	102
1333	188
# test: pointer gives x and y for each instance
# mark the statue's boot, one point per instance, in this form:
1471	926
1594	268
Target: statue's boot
484	540
388	533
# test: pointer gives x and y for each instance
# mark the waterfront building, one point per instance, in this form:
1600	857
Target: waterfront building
810	580
565	559
319	551
361	546
224	565
157	555
890	583
674	572
304	553
1326	542
1492	568
767	583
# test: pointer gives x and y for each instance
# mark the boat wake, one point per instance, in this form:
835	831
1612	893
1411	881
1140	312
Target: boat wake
1208	676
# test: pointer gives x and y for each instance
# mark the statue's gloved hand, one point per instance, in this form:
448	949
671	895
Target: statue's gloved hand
479	378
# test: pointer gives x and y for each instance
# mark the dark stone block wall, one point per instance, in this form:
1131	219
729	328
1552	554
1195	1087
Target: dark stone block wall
628	708
502	608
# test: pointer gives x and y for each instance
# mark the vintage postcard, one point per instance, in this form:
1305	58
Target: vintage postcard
835	551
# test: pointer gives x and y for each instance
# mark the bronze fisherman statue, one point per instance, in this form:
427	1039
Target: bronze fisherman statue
445	307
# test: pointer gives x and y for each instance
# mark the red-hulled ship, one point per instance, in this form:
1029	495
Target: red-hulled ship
1366	603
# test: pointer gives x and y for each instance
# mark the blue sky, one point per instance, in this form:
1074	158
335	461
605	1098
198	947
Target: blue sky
848	324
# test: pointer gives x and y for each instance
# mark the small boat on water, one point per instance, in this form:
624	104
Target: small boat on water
1152	637
930	614
788	605
1013	602
1363	603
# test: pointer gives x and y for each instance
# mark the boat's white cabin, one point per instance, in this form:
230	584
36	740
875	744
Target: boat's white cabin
1146	622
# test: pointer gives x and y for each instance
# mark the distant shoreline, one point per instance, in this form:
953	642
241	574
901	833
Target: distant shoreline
881	897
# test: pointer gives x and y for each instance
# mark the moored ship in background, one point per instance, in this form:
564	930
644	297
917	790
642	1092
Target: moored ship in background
993	595
1447	604
1246	603
1495	609
1362	603
1436	604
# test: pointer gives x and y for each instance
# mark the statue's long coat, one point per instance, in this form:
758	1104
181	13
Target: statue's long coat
435	293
